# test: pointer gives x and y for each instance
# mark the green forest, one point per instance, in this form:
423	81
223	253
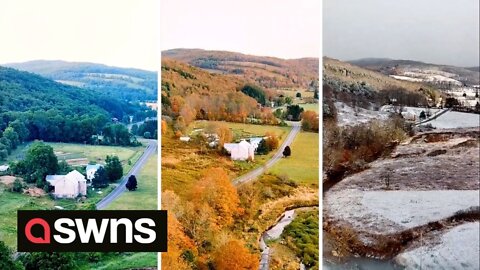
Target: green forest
36	108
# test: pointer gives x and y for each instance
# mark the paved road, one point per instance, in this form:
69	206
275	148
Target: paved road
433	117
149	151
278	155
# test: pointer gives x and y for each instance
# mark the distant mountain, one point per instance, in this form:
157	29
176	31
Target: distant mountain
123	83
476	69
399	67
268	72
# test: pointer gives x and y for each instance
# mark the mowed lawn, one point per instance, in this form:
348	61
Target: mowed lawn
302	165
145	197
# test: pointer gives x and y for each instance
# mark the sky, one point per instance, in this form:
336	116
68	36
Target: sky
123	33
434	31
279	28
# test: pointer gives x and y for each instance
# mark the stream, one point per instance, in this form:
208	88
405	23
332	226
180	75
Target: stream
274	233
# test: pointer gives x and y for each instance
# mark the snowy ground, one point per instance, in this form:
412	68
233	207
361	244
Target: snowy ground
432	178
457	249
456	120
385	212
348	116
415	208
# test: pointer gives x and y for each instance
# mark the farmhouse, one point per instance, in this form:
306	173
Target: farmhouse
91	170
68	186
240	151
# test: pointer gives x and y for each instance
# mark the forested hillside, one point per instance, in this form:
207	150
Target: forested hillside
190	93
268	72
122	83
33	107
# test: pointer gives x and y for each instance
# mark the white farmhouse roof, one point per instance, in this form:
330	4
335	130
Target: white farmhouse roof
240	151
4	168
68	186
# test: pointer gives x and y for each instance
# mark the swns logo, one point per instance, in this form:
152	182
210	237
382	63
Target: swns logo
82	231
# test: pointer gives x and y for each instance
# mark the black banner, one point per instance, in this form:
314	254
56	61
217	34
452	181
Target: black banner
96	231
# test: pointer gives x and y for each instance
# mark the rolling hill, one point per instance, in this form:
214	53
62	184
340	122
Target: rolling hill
268	72
194	93
123	83
24	91
464	75
347	74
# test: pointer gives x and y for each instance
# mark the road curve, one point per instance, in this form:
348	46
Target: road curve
278	155
114	194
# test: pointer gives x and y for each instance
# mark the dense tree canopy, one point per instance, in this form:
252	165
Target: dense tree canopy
255	92
113	168
40	160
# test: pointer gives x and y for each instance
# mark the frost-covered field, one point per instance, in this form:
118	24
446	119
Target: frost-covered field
348	116
394	211
458	248
456	120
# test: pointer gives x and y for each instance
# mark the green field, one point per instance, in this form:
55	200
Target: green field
92	153
145	197
302	165
241	130
10	203
131	260
310	107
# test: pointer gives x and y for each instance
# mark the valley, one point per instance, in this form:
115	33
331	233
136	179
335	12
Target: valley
400	181
226	175
53	133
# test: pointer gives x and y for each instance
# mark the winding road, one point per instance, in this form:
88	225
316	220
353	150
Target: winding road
278	155
114	194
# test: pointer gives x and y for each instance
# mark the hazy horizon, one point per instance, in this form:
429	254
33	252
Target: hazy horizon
432	31
283	29
120	33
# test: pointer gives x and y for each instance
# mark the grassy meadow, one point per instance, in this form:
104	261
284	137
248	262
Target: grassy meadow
145	197
310	107
302	165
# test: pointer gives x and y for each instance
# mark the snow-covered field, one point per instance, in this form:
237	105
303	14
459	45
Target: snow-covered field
394	211
415	208
457	249
348	116
431	76
456	120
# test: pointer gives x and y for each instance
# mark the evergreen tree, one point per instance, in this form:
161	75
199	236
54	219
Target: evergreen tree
131	183
100	178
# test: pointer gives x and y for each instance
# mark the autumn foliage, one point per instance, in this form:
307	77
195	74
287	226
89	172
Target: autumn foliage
310	121
235	256
193	93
